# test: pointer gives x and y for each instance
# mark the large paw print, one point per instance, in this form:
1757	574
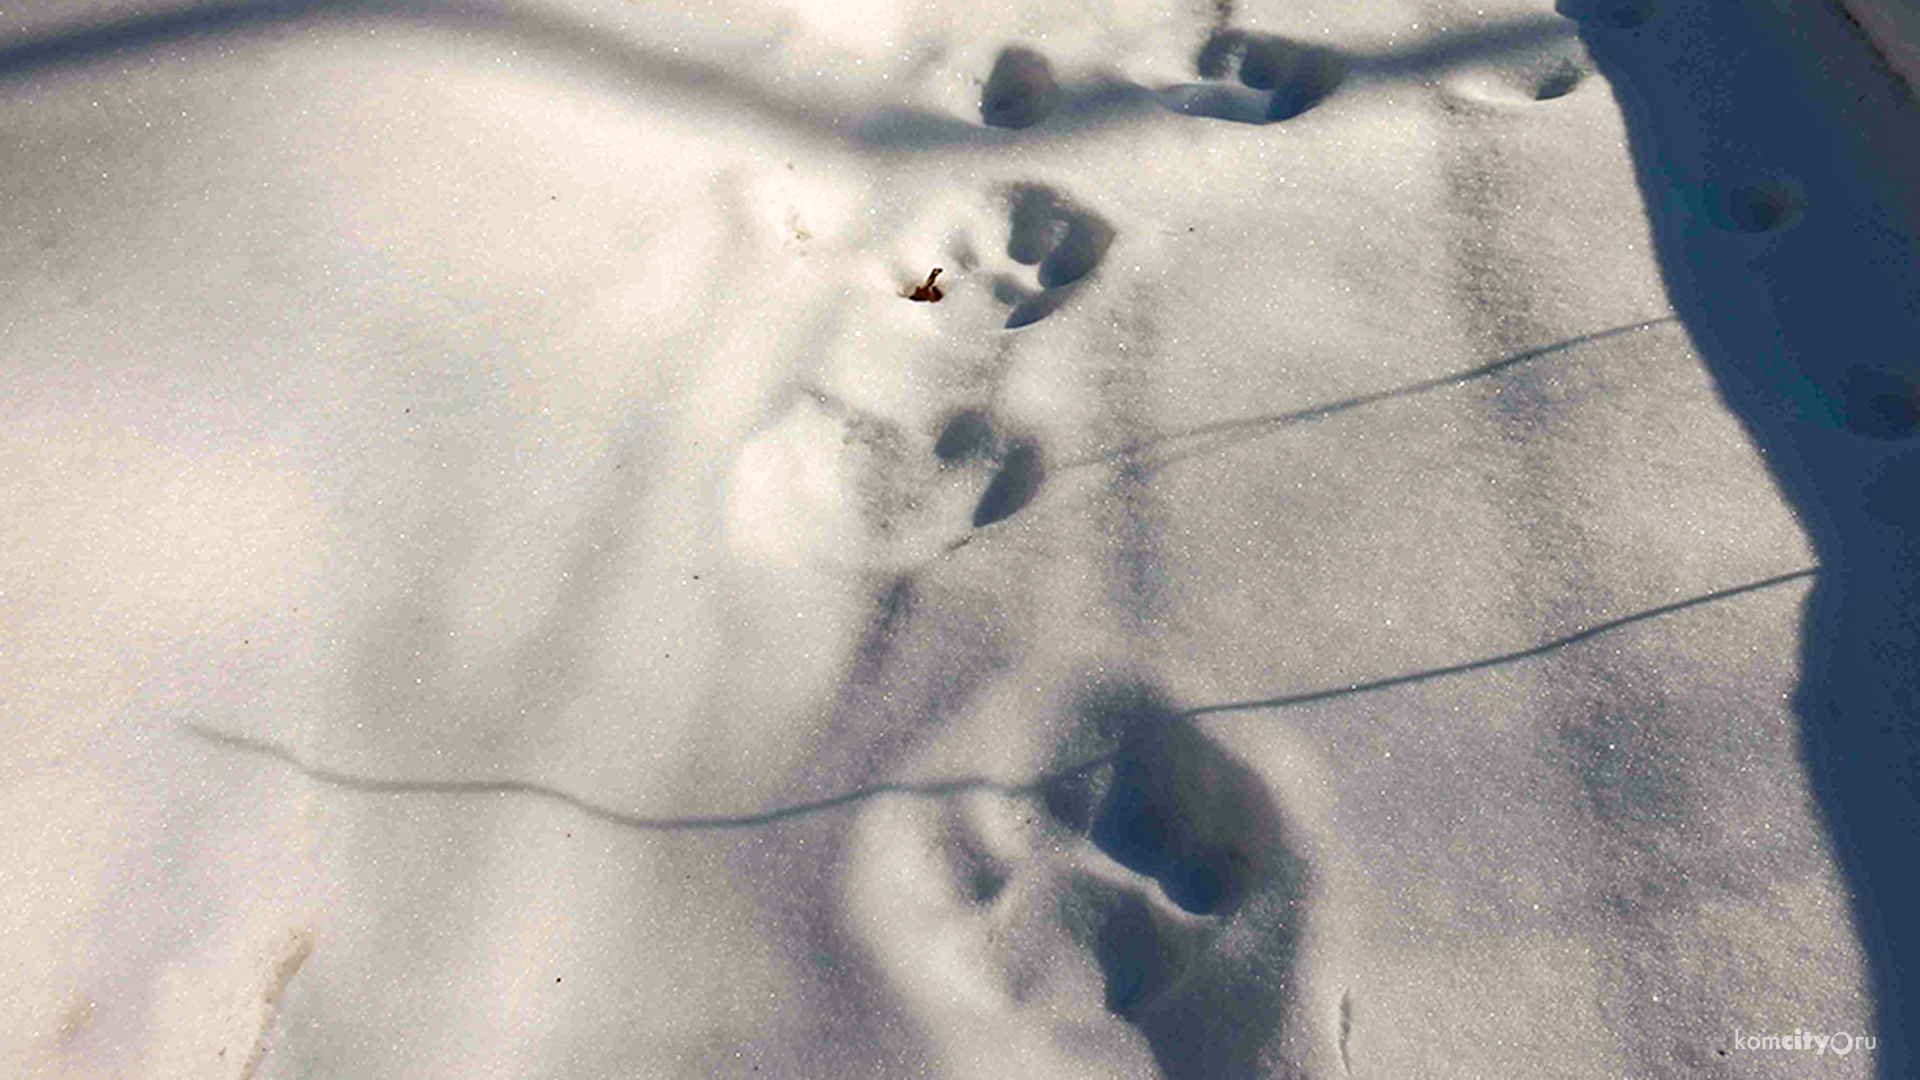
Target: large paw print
1256	79
1021	91
1249	79
1099	901
970	438
1062	242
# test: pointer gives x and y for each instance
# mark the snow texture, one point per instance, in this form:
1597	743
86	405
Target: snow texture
1393	555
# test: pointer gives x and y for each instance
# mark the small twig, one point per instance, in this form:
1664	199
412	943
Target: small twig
928	292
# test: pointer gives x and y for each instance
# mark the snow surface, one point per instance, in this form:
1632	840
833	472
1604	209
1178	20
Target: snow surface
1393	557
1894	28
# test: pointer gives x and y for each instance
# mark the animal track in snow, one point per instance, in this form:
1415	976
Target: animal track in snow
967	435
1556	80
1013	486
1547	76
1175	808
1256	79
826	482
1063	242
829	484
1021	90
1110	889
1170	805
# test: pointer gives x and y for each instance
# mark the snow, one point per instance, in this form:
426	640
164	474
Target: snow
1393	555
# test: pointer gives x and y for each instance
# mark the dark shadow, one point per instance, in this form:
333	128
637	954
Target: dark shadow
1556	80
1751	208
1020	91
1235	104
1482	664
1063	242
529	28
1608	14
1030	308
1777	162
1046	230
1074	793
1013	487
1880	403
1036	222
1079	251
1132	953
371	785
1487	41
1176	446
1279	78
1179	809
607	58
967	434
1084	108
89	43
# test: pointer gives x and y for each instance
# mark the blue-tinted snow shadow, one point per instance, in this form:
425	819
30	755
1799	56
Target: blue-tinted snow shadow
1769	154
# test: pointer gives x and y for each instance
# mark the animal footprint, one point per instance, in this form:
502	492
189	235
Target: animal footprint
1551	74
830	484
1061	241
1171	806
1277	79
966	436
1156	889
1554	80
1175	808
1012	487
969	438
1021	91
